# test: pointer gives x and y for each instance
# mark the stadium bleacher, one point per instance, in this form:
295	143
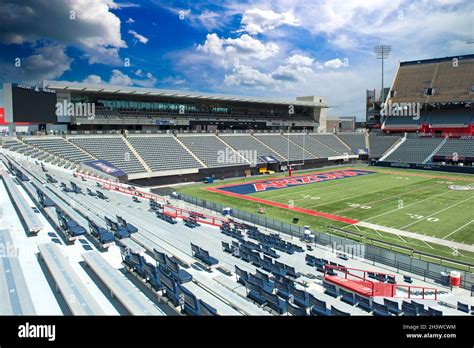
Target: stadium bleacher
281	145
161	151
354	140
414	150
210	149
110	148
380	144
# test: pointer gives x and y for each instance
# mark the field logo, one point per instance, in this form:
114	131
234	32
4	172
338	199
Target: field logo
460	188
401	109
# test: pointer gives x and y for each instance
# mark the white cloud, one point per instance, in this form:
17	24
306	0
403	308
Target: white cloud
118	78
89	25
257	21
246	76
139	37
336	63
93	79
298	59
130	21
242	48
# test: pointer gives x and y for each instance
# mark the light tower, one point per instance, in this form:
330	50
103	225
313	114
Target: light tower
382	52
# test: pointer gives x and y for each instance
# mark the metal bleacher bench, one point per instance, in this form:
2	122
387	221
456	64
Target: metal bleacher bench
14	296
79	300
122	289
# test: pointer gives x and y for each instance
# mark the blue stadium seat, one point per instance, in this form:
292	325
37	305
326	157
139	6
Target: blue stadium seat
180	275
407	279
296	310
153	275
206	309
300	297
254	292
274	302
283	290
463	307
339	313
318	307
191	305
242	276
330	289
226	247
392	306
380	310
347	297
363	302
172	291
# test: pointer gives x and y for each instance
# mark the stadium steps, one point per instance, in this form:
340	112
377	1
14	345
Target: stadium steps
79	148
393	149
326	145
435	150
268	147
137	155
190	152
343	142
236	151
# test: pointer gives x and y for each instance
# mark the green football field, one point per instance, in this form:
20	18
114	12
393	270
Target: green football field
385	203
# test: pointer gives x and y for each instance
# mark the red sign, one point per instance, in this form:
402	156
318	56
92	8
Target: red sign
2	117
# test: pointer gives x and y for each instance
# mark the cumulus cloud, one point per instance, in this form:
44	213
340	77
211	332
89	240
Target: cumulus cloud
296	68
130	20
139	37
93	79
89	25
336	63
118	78
47	62
257	21
244	47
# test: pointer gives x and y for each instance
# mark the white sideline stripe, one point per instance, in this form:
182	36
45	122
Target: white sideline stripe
436	213
460	228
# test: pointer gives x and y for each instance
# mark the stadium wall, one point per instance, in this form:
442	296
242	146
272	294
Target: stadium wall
231	172
421	166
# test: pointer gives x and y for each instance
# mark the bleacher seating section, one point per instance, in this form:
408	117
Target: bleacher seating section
280	144
332	141
380	144
161	152
208	148
60	147
246	142
463	147
112	149
414	150
354	140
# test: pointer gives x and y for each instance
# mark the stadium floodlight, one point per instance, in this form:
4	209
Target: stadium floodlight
382	52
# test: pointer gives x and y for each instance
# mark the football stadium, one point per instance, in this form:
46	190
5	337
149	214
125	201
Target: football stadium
124	199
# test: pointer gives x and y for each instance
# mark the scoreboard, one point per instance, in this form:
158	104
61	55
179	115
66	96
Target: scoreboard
24	103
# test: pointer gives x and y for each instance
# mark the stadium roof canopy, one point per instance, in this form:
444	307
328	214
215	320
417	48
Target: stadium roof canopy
154	92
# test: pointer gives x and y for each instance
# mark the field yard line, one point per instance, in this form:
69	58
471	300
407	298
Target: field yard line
408	205
426	217
351	197
460	228
391	197
417	236
343	182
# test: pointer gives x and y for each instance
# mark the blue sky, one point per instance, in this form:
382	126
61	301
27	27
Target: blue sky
278	48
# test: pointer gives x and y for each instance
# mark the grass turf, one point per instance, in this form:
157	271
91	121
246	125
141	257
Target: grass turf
413	201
